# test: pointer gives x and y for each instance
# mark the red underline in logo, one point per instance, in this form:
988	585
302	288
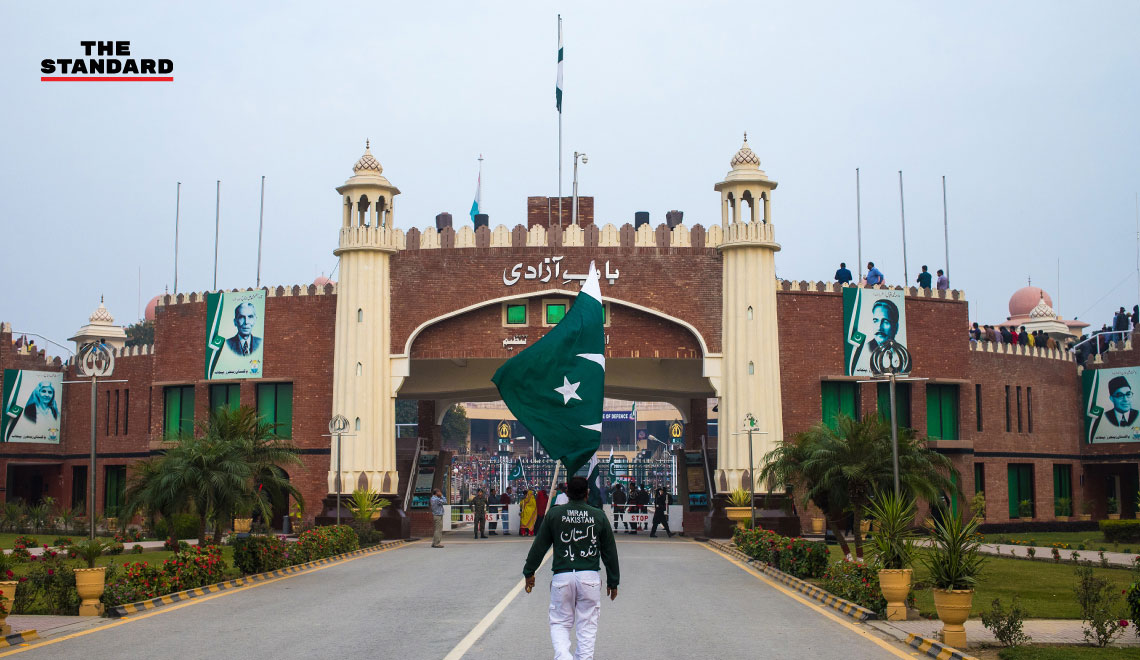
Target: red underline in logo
106	78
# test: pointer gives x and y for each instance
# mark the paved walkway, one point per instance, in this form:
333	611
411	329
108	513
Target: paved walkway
678	598
1042	631
1045	553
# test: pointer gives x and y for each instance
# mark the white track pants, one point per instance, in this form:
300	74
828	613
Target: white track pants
575	598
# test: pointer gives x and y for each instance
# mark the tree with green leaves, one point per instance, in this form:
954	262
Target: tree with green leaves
232	464
455	427
845	465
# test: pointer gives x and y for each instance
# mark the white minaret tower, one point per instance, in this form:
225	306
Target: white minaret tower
751	348
362	372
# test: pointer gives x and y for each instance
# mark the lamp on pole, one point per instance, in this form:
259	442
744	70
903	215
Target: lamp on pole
887	362
574	217
337	427
95	360
750	428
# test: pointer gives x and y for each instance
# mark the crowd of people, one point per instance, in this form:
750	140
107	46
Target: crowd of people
489	510
1011	334
1122	326
875	276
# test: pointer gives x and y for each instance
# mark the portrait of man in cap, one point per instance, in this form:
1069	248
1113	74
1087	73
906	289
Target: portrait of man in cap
1122	413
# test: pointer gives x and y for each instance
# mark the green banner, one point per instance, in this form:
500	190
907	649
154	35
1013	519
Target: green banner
32	404
235	325
1109	414
874	332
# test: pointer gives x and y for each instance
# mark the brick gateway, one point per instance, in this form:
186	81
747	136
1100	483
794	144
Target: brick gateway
693	313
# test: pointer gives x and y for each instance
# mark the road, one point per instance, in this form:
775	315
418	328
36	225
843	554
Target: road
677	599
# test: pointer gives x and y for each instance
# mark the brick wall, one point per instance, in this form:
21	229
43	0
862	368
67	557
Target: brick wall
544	211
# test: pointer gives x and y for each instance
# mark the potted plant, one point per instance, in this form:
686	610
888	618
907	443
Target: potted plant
1062	509
818	523
243	519
955	563
739	507
893	548
1025	509
89	581
1113	509
1086	510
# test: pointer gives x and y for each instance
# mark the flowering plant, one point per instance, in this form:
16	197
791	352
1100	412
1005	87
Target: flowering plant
856	582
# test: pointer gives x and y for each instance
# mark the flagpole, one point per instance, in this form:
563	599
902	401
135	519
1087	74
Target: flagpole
177	208
260	227
858	226
559	124
902	212
946	227
217	229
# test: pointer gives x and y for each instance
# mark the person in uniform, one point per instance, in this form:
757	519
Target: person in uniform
479	508
660	513
580	535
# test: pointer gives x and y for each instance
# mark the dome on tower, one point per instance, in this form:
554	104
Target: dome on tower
367	162
101	316
1043	310
745	158
1025	299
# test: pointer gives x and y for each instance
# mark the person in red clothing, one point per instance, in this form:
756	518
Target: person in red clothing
542	500
1013	334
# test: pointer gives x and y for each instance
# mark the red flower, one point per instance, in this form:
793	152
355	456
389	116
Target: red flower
51	571
1123	623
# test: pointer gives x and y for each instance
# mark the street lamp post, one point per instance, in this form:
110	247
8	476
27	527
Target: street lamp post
892	377
95	360
574	217
337	427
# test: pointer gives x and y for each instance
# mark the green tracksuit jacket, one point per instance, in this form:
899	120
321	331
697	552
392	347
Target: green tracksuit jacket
581	535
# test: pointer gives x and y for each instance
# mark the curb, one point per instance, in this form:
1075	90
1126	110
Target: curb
18	638
141	606
822	596
936	649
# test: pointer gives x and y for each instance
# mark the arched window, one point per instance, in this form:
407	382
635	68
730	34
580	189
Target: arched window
362	210
751	369
357	423
747	207
749	312
731	201
360	316
359	369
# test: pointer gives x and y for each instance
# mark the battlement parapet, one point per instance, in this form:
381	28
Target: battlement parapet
270	292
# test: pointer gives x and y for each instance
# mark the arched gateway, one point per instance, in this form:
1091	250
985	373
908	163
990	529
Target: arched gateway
690	314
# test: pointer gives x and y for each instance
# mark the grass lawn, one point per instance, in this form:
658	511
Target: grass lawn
1092	540
1045	588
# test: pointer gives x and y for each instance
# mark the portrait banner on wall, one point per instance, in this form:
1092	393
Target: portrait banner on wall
235	326
1108	403
874	327
33	401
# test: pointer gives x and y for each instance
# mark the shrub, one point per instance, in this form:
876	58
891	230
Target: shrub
1063	506
1117	531
1132	602
798	557
1097	599
137	549
1056	555
1025	509
365	533
321	542
1006	625
114	548
856	582
1031	551
260	554
49	588
136	581
26	541
195	567
62	542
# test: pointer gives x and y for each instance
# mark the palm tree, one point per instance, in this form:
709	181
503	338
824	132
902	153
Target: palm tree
154	492
854	459
785	465
232	464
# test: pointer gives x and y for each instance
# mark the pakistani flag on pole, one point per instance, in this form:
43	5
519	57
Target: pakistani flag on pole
555	386
558	84
517	471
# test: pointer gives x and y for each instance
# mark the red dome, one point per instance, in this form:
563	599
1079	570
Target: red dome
1025	299
148	315
322	280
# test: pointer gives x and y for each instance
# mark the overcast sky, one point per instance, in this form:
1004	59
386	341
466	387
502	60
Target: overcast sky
1029	109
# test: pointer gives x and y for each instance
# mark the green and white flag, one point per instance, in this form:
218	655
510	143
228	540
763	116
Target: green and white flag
558	83
555	386
517	471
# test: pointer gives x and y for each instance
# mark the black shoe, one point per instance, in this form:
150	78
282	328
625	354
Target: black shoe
483	537
493	533
670	534
652	536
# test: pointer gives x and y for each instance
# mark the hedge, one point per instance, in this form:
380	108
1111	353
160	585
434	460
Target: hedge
798	557
1117	531
261	554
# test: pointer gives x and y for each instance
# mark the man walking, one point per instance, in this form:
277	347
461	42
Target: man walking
660	513
437	503
580	535
479	507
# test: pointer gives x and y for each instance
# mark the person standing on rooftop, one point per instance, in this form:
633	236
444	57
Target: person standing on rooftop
874	275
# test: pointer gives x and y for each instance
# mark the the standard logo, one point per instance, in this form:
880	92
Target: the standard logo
107	61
